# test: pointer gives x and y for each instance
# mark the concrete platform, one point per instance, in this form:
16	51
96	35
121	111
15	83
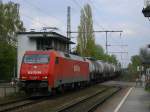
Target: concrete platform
137	101
129	99
119	83
111	104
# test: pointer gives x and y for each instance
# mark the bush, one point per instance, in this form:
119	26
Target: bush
7	60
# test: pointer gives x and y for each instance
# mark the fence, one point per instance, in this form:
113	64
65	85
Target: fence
7	90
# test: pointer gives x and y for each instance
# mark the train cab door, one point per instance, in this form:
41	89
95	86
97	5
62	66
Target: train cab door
58	71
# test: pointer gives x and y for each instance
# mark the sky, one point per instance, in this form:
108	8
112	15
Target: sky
125	15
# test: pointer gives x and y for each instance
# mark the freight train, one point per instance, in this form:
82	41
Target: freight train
45	71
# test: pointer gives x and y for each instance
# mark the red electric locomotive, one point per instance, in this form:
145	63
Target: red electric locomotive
44	71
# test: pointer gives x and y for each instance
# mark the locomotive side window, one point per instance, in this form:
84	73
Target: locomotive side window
36	58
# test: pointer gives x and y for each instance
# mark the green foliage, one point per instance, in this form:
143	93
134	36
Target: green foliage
99	52
10	23
132	67
136	61
86	41
126	75
7	60
111	59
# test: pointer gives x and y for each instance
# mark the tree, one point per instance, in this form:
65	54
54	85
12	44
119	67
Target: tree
99	52
132	67
10	23
110	58
113	59
136	61
86	41
7	60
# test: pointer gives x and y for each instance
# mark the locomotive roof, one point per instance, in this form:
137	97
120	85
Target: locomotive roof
58	53
46	35
38	52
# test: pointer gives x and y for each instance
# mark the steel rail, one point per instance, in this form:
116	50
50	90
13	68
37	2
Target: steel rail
11	106
98	98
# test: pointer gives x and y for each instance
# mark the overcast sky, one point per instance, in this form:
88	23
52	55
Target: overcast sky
123	15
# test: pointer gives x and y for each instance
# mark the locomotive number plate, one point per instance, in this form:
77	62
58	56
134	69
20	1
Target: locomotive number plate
33	77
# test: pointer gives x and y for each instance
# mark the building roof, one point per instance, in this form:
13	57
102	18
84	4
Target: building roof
39	35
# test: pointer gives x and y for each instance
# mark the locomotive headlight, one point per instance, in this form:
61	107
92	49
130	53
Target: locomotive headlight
44	77
23	77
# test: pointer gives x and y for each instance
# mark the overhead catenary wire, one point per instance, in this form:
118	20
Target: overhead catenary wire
39	9
42	11
27	16
96	9
72	8
33	19
96	22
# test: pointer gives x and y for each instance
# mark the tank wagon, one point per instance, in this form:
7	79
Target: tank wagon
45	71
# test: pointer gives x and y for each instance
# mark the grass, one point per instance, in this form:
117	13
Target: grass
147	88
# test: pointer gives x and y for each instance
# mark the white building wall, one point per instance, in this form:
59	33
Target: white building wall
24	44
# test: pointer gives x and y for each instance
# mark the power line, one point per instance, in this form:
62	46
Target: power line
33	19
39	9
36	7
44	25
125	45
96	22
102	31
97	11
106	31
119	52
76	2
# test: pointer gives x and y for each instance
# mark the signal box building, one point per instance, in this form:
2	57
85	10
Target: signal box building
29	41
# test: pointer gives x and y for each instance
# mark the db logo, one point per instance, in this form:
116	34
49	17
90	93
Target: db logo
76	68
34	67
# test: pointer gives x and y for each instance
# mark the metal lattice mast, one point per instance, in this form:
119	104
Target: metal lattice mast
69	24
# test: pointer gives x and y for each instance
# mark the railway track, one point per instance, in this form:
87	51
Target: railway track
21	103
89	103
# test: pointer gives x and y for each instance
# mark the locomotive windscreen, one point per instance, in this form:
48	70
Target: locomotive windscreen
36	58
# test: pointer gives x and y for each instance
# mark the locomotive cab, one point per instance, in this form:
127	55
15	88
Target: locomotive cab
34	72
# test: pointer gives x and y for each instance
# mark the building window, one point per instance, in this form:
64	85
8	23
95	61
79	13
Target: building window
44	44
